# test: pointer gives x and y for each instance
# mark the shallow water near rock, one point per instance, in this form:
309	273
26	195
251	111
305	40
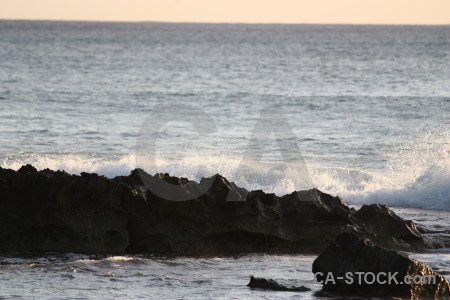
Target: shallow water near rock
139	276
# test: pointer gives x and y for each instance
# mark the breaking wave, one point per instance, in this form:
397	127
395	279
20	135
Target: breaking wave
418	177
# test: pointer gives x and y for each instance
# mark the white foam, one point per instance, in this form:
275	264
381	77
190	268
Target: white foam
419	177
430	190
74	163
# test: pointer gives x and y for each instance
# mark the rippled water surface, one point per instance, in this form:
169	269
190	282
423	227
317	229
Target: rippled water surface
368	106
82	277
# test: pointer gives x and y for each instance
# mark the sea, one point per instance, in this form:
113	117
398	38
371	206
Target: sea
358	111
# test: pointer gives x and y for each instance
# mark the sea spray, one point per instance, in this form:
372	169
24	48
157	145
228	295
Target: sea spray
417	173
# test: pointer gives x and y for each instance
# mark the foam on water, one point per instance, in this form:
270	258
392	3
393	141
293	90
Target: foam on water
430	190
110	166
416	175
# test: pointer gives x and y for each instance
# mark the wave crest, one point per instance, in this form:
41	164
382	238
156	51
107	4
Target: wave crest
415	178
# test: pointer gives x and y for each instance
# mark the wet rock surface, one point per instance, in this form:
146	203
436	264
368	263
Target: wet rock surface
270	284
54	211
381	225
375	271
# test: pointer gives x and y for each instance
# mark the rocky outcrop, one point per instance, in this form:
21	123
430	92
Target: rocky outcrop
251	222
54	211
355	266
381	225
272	285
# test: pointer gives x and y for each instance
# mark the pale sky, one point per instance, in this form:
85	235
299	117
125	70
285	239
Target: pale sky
234	11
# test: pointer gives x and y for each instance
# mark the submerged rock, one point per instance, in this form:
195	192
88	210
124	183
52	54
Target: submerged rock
356	266
54	211
270	284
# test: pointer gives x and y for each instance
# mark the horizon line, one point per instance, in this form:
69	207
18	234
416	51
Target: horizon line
223	23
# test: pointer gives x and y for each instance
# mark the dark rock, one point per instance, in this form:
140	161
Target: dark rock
55	211
28	169
228	219
351	254
270	284
381	225
379	219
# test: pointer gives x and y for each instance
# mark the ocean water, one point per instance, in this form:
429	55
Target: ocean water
363	109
